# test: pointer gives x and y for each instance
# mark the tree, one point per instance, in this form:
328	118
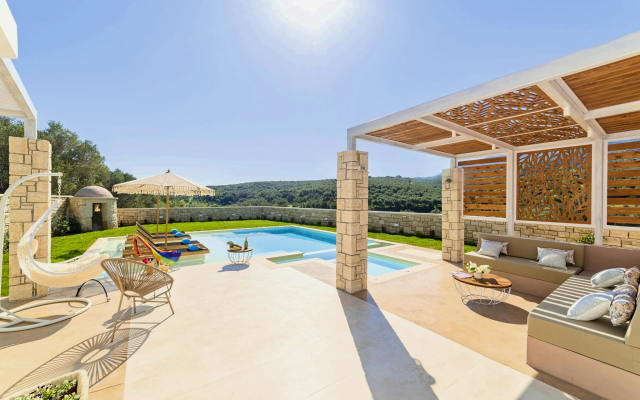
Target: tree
79	161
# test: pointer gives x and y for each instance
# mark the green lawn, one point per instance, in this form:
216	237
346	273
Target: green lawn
65	247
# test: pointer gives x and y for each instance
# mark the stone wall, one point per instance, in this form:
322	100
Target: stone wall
563	233
379	221
473	227
28	202
405	223
621	238
63	207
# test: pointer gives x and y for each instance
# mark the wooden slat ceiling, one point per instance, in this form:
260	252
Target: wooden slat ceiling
529	116
608	85
468	146
620	123
412	132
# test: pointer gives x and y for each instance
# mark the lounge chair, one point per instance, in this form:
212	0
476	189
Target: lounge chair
160	235
144	248
138	282
159	241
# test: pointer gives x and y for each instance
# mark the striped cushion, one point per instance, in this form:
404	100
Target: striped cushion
597	339
554	309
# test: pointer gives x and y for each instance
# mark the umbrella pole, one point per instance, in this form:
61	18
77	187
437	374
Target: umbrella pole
166	221
157	213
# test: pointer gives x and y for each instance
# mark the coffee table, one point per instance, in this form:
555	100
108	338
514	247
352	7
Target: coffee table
240	256
490	290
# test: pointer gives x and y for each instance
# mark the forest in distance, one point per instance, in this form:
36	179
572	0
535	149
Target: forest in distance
388	193
83	165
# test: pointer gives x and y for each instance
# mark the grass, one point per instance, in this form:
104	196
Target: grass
66	247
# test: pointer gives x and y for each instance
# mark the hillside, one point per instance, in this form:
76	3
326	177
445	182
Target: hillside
385	194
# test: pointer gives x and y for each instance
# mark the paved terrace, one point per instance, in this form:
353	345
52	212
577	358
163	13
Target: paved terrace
281	332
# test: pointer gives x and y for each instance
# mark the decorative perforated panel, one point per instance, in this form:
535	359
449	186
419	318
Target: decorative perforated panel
522	101
529	123
570	132
555	185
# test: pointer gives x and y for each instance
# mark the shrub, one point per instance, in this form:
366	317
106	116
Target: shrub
62	225
587	238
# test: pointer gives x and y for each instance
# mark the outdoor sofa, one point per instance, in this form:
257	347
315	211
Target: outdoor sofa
521	266
594	355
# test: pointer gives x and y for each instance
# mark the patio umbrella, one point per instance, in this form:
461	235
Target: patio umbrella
167	184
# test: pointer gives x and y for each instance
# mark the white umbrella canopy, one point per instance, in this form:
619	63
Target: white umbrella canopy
162	184
167	184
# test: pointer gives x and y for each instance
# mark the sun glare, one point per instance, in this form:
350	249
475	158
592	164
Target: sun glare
312	16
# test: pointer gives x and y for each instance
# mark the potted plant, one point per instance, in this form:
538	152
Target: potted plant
71	386
477	270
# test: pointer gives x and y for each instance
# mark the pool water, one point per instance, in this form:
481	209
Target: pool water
265	241
376	264
308	243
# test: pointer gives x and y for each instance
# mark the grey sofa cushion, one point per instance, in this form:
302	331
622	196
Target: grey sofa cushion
523	267
528	247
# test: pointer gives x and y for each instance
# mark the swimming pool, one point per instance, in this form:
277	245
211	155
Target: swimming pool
377	264
307	243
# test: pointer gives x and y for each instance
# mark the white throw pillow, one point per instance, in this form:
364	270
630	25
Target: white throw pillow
490	248
569	254
608	278
590	307
552	258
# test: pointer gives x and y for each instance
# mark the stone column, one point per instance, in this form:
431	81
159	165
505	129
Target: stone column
28	202
352	221
110	214
452	215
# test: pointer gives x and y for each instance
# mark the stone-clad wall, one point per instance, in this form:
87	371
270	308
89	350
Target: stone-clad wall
405	223
474	227
621	238
28	202
563	233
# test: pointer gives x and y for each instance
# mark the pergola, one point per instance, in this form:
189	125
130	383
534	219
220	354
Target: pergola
544	145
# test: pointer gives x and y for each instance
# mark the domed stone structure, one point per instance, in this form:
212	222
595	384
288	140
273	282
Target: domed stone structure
94	191
95	208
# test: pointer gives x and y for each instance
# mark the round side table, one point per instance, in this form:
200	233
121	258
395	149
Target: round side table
490	290
240	256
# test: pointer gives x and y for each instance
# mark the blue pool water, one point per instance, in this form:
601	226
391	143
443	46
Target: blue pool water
289	239
276	240
376	264
266	241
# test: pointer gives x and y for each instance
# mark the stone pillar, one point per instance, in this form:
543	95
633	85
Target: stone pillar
452	215
110	214
352	221
28	202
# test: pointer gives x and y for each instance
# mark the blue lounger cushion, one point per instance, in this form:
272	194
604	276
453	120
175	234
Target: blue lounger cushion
174	231
193	247
186	241
179	234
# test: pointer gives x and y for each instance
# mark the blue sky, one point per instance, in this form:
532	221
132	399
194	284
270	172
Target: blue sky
236	91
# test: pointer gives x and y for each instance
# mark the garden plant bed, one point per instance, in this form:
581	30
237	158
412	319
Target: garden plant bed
71	386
